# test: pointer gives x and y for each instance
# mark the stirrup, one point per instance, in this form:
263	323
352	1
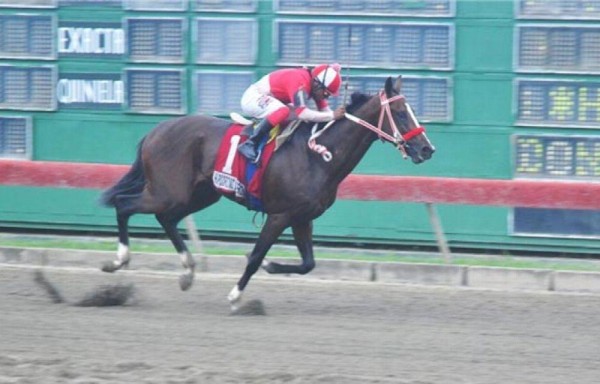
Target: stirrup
244	149
257	158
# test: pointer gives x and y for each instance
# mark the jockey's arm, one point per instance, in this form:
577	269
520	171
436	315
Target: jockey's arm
308	114
323	105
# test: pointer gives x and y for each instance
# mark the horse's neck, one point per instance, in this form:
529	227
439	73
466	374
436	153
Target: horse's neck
350	142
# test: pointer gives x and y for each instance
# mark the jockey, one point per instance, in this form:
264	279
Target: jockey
268	99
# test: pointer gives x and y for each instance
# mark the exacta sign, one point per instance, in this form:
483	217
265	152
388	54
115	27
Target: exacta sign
91	39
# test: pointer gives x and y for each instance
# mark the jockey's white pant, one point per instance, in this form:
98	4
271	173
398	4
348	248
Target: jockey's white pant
257	103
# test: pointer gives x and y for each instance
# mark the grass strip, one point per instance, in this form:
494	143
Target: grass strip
326	253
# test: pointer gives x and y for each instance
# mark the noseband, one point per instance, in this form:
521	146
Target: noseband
398	139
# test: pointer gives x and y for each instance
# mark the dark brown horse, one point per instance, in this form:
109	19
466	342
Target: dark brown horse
172	177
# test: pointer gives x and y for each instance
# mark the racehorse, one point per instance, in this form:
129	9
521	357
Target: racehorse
172	177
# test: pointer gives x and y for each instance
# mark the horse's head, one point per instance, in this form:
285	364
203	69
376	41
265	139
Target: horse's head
402	124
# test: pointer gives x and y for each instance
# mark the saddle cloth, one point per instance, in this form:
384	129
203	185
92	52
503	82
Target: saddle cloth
234	176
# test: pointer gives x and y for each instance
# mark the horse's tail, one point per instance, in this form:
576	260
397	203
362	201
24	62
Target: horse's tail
132	183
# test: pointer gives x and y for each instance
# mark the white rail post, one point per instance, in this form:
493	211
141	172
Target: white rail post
436	224
192	231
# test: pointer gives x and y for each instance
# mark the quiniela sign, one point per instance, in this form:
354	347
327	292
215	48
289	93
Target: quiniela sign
90	90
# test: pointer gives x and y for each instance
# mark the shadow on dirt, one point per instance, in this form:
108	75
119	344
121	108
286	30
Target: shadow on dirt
103	296
250	308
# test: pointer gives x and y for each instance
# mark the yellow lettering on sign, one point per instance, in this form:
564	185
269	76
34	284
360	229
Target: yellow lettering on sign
526	104
559	158
588	159
530	152
588	6
585	105
562	103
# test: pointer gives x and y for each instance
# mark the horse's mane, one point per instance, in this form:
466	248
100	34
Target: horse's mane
356	101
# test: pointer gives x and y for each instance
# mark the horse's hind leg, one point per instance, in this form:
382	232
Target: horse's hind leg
169	224
124	207
271	231
303	238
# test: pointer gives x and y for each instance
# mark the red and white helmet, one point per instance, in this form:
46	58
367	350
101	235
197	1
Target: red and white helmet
329	77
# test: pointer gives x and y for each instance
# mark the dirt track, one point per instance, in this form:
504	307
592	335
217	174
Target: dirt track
314	332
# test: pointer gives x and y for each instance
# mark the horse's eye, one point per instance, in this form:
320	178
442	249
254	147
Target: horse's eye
403	115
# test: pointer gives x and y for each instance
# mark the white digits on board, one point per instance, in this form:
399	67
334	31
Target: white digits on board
235	140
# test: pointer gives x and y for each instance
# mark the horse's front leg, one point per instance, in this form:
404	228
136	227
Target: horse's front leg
303	238
274	226
123	256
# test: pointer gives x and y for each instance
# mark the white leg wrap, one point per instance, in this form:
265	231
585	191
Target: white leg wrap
122	254
188	262
235	295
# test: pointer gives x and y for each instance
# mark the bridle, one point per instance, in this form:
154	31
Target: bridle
397	138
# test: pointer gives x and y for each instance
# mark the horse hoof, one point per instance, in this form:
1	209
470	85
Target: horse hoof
234	296
269	267
185	282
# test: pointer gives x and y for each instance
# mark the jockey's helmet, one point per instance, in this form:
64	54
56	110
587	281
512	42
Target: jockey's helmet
328	76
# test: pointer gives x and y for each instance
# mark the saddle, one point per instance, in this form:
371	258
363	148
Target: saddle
286	131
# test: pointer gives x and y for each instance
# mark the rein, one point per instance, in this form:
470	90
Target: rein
398	139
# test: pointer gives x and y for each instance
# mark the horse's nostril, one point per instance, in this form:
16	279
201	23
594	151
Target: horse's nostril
426	152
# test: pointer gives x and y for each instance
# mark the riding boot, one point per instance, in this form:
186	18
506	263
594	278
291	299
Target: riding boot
248	147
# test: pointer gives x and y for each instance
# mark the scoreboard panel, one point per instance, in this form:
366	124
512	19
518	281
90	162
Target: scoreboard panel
557	157
558	103
28	87
558	48
27	37
15	137
29	3
558	9
429	8
225	41
556	223
156	5
359	44
155	90
208	86
153	40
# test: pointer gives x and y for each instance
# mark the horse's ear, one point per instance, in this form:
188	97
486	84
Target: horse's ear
398	84
393	88
389	87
